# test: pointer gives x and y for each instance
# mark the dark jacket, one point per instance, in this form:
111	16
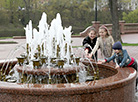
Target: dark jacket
88	43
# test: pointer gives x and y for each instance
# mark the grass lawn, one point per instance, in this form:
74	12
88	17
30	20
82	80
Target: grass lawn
8	42
127	44
5	38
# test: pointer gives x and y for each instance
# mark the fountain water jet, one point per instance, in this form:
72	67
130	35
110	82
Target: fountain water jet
48	54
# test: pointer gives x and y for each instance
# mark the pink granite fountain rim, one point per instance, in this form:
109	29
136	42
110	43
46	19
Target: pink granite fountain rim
123	77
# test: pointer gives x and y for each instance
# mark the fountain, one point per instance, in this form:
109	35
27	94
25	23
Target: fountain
48	71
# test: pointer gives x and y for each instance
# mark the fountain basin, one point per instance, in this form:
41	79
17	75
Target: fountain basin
120	87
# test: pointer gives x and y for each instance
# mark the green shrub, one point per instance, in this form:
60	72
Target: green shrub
11	32
131	17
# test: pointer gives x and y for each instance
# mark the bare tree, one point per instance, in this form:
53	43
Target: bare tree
113	4
27	6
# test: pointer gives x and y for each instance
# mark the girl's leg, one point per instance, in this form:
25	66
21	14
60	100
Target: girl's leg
134	65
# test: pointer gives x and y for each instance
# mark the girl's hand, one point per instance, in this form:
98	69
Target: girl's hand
101	62
86	53
89	56
117	67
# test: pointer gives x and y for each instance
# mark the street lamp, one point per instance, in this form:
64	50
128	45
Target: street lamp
95	10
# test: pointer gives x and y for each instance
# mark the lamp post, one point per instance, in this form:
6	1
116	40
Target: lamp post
95	10
95	23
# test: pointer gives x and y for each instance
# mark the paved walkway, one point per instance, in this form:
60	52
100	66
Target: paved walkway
10	51
130	38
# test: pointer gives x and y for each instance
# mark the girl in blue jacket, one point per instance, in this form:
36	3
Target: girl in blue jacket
122	58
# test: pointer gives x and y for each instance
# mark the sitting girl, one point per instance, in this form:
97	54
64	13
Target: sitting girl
122	58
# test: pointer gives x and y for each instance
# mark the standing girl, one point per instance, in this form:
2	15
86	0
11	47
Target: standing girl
104	42
89	42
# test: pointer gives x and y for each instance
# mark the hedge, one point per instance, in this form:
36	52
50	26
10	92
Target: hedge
12	32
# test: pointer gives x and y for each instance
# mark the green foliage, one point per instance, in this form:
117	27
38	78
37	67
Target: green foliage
127	44
131	17
5	38
105	17
77	13
125	1
12	32
4	18
8	42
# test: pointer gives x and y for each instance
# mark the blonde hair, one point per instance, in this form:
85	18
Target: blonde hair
106	29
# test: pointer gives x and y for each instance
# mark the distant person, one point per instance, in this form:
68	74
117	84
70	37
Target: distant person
122	58
90	41
104	42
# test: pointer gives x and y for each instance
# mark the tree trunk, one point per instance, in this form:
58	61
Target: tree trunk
27	5
115	20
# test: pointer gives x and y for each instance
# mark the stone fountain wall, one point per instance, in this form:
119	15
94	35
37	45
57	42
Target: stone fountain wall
120	87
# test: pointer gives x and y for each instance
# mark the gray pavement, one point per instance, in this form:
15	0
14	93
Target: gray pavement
11	51
130	38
